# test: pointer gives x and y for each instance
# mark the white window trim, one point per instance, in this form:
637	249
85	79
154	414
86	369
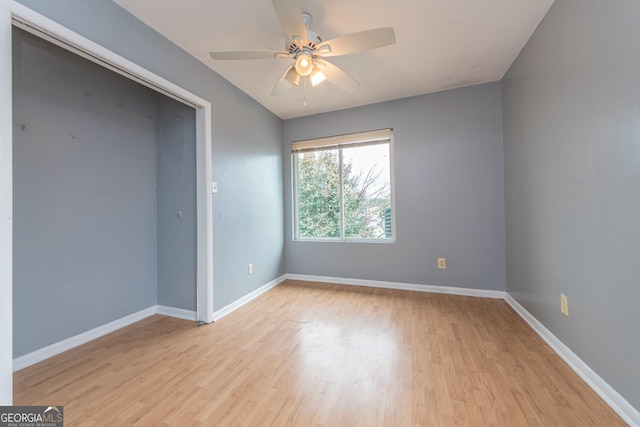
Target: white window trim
337	142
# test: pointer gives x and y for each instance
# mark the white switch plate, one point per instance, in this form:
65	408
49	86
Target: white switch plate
250	268
214	187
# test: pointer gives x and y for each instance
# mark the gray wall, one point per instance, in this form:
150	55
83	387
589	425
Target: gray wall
176	203
84	195
572	172
74	195
449	192
247	162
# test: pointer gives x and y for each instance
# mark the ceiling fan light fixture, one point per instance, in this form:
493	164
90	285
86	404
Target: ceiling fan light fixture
304	64
308	51
292	76
317	77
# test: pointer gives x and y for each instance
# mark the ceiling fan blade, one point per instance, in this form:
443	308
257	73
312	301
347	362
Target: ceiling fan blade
286	81
290	15
338	77
358	42
249	54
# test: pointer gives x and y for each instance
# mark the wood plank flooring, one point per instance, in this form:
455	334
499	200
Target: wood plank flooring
311	354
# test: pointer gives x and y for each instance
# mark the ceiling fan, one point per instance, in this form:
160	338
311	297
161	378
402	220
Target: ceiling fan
308	51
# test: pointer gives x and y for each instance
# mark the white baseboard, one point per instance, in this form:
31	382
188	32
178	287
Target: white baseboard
217	315
178	313
69	343
482	293
618	403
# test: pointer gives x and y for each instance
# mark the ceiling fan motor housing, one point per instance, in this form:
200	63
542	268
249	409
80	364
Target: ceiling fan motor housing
313	39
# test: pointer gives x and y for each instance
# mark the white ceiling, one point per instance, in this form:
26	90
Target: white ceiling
441	44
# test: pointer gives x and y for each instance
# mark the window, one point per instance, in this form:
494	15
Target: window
342	187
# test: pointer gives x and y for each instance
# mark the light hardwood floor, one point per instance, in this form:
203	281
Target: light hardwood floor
310	354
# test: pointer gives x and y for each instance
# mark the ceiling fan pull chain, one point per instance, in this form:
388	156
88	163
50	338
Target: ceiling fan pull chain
304	83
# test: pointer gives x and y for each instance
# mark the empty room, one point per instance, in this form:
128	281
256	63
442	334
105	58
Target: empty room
320	213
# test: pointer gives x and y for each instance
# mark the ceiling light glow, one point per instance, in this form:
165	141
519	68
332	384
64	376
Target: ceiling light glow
304	64
317	77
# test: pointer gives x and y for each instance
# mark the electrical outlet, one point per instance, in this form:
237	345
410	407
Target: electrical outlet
442	263
250	268
564	305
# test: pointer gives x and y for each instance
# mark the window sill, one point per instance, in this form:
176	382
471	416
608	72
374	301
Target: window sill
340	240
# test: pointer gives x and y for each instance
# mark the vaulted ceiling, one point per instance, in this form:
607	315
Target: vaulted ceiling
440	44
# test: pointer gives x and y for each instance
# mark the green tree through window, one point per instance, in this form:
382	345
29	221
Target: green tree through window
343	193
319	194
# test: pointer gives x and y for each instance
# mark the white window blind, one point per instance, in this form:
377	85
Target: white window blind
361	139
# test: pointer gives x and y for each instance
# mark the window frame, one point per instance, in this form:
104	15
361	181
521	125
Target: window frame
338	143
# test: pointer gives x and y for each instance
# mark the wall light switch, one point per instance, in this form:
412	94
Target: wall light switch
442	263
214	187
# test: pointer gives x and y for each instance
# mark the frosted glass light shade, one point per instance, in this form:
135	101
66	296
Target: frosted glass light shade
304	64
317	77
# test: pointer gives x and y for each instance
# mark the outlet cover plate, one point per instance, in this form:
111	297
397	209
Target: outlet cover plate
564	305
